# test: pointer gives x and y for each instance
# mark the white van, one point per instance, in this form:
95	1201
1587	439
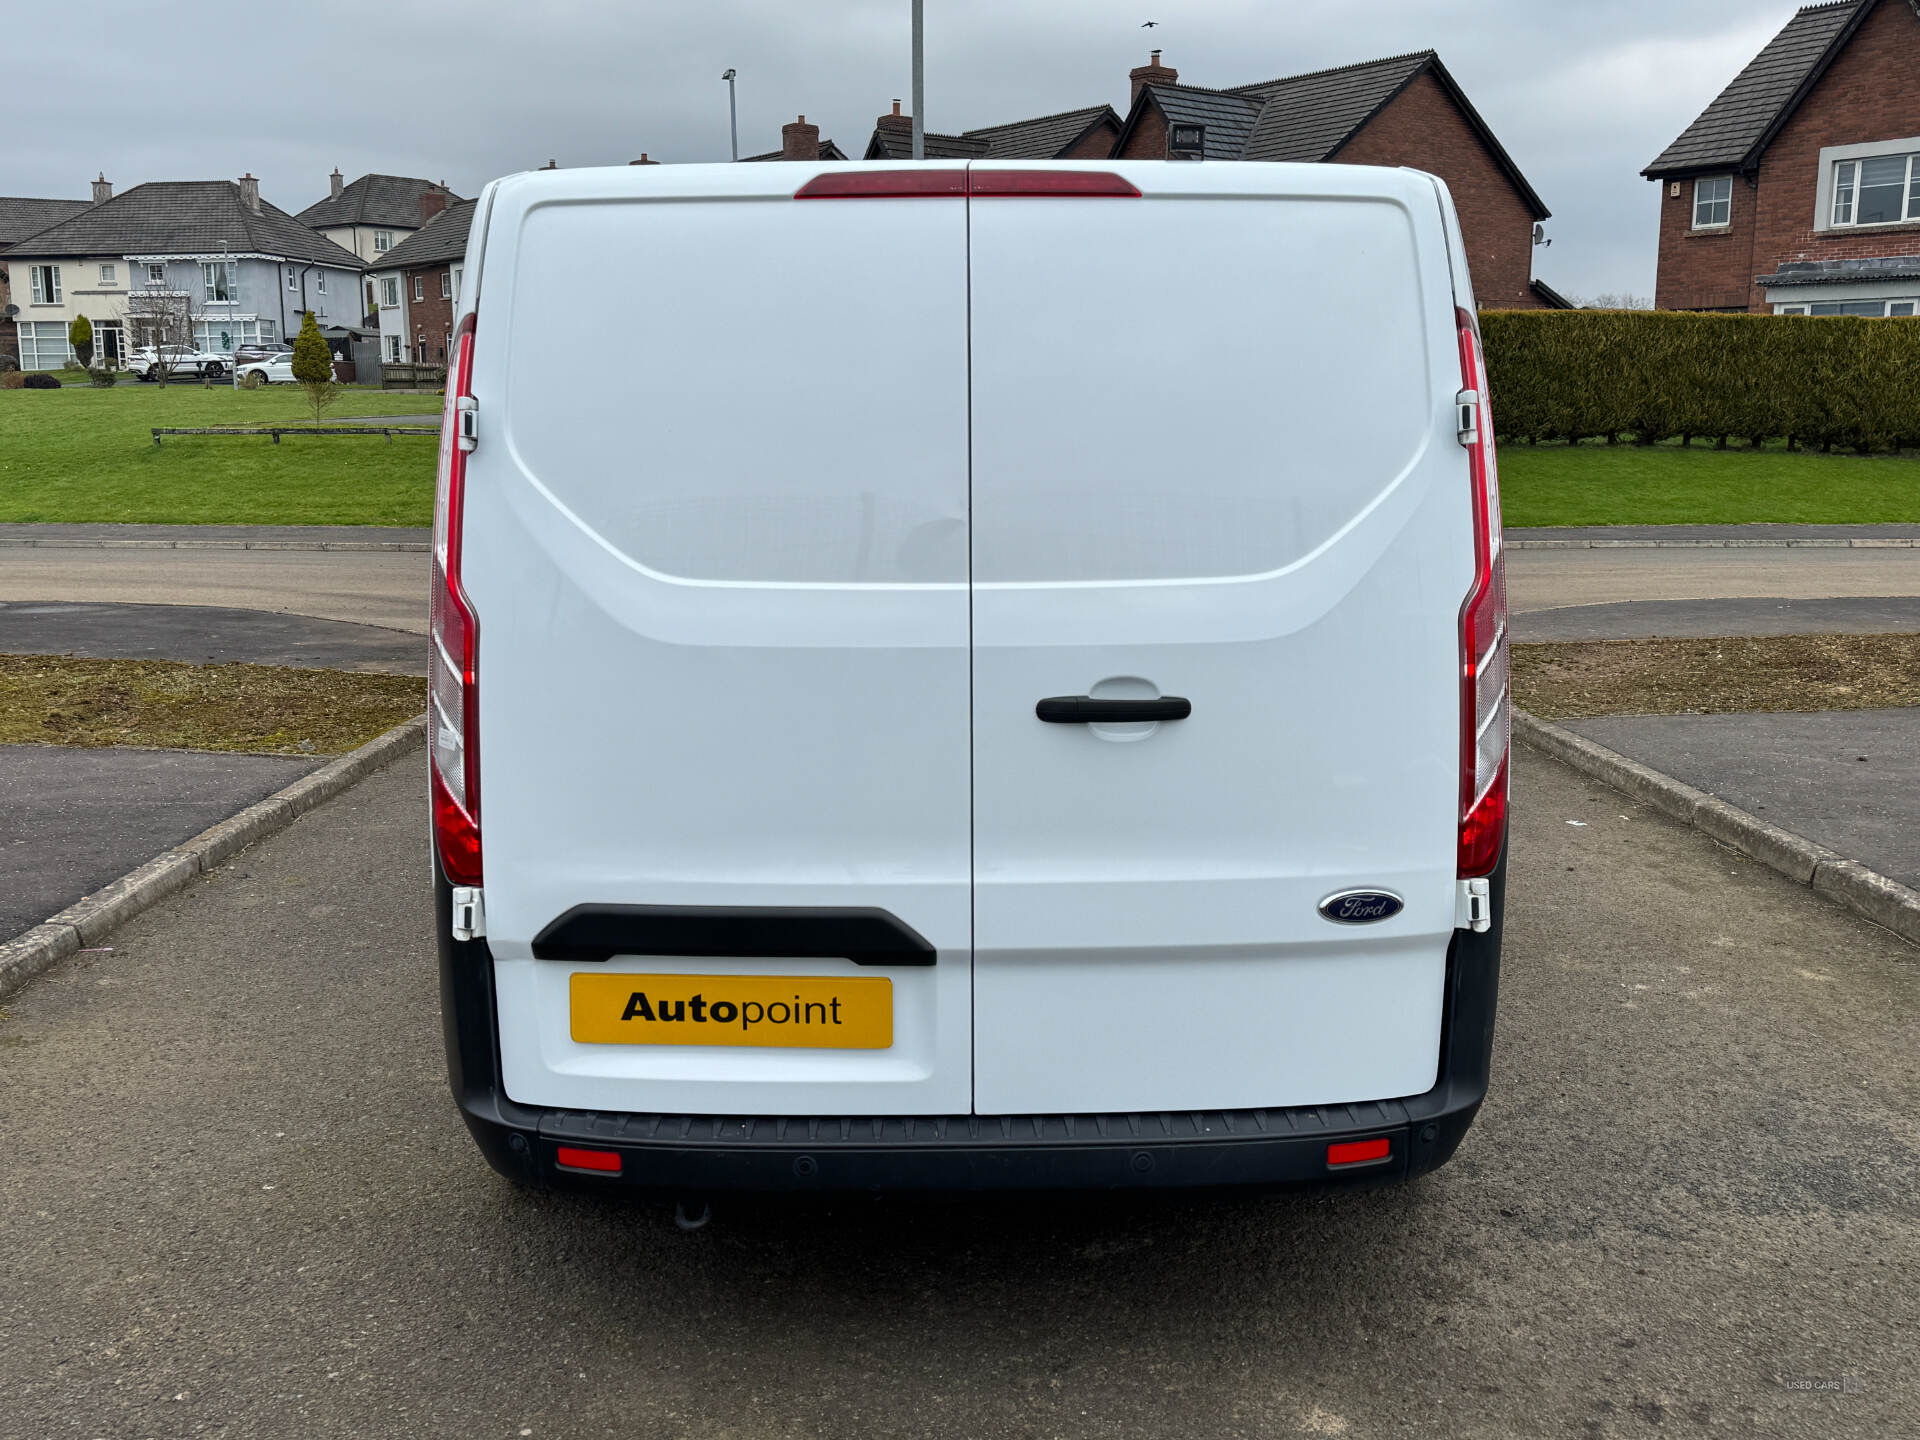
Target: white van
1004	685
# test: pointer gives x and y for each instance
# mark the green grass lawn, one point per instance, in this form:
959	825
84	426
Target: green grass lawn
81	454
1667	485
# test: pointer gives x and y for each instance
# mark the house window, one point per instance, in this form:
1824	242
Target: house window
1879	190
393	348
419	287
1713	202
156	274
1872	309
222	281
382	241
43	345
46	284
109	274
456	284
293	278
446	285
389	291
320	283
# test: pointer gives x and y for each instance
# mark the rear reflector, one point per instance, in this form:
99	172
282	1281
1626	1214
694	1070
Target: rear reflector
884	185
601	1162
1052	182
956	184
1357	1152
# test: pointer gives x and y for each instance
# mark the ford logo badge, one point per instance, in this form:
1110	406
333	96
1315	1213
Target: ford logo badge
1361	907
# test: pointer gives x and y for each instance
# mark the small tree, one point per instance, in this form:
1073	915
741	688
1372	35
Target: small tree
313	366
80	338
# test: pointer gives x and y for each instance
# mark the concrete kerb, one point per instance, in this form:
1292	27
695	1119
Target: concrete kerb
88	921
1866	892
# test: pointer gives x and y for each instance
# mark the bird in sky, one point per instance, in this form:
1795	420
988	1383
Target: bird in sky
1148	25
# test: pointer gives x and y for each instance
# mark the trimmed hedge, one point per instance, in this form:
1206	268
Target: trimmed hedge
1657	374
39	381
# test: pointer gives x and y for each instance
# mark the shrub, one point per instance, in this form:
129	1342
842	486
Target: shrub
39	382
80	340
13	380
1575	374
313	366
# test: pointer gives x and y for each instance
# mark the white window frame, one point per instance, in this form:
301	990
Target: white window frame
1832	157
157	272
293	278
446	284
45	278
228	270
382	241
456	283
1911	304
109	273
389	292
393	349
419	287
1712	202
319	282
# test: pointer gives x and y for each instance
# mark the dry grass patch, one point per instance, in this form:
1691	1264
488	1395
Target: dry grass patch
1716	676
166	704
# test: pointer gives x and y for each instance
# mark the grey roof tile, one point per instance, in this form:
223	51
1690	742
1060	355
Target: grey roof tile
186	217
828	151
1229	118
442	240
1726	132
1309	117
1835	272
1042	138
373	200
21	216
892	143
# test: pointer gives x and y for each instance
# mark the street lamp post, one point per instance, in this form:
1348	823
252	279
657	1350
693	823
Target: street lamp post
733	115
919	81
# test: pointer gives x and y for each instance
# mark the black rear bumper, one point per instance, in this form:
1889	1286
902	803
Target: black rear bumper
704	1153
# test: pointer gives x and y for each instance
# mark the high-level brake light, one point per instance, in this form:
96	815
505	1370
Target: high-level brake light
957	184
1486	723
453	659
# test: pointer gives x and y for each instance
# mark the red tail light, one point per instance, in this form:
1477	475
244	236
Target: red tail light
1359	1152
1486	719
883	185
453	663
601	1162
956	184
1052	182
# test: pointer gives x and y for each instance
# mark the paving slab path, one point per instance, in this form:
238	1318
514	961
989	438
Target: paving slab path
237	1200
71	820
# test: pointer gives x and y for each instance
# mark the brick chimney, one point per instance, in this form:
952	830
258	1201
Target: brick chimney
643	160
551	165
335	184
250	192
102	188
801	141
432	201
896	124
1151	73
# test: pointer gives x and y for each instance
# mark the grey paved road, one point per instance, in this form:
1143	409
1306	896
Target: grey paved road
1849	779
1543	579
362	587
1634	619
72	820
205	634
236	1201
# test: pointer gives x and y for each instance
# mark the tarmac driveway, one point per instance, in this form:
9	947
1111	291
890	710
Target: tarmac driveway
237	1202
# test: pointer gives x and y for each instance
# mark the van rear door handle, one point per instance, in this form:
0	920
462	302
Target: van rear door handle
1085	710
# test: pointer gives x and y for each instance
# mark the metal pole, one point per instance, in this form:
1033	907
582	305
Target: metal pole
919	81
733	115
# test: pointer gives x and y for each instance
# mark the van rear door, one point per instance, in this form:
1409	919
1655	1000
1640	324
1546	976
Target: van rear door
1214	459
716	540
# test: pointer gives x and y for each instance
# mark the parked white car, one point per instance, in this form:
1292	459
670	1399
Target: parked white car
275	370
1037	780
181	360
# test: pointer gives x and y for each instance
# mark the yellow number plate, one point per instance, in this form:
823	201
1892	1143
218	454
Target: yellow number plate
784	1011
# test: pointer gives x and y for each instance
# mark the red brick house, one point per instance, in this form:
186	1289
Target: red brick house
1406	110
1797	191
417	288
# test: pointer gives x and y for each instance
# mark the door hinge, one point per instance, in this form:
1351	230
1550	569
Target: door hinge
1467	416
469	912
466	411
1473	906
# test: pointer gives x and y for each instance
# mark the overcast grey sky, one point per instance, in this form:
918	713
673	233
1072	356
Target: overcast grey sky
1581	94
